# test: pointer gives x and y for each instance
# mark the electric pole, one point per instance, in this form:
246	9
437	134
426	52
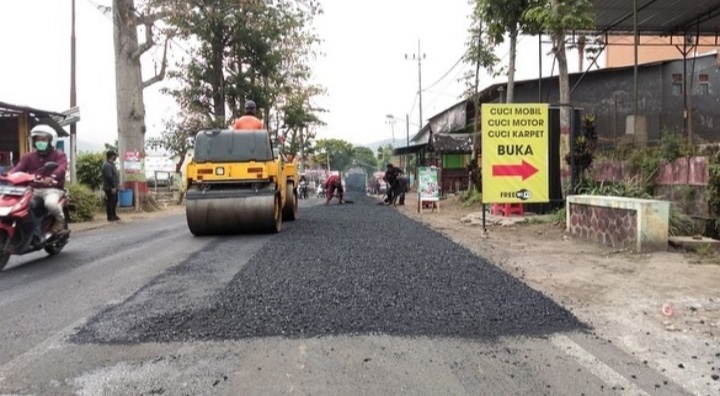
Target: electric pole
407	139
73	97
419	56
391	121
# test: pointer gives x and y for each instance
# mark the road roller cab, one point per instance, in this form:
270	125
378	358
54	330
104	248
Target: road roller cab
236	183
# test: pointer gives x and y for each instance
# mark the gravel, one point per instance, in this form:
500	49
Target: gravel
342	269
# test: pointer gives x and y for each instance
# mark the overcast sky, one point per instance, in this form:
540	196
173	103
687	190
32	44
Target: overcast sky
364	67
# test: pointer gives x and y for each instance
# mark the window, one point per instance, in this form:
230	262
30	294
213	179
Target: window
677	84
677	89
704	86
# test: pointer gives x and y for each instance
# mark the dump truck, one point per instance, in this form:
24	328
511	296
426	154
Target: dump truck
238	183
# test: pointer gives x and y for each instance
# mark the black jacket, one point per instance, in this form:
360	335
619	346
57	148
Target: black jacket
111	178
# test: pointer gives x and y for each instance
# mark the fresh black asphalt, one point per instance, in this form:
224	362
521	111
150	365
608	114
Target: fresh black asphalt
339	270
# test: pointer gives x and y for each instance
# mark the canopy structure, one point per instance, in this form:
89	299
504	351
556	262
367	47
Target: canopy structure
49	117
658	17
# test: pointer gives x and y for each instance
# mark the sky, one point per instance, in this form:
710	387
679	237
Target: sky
363	67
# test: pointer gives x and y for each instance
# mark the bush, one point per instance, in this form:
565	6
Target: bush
88	169
85	203
470	197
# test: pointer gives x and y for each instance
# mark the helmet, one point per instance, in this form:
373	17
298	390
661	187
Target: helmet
44	130
250	105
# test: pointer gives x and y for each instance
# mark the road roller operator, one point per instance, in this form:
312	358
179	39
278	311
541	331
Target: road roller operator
248	122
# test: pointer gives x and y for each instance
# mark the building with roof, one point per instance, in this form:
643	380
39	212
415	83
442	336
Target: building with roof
17	121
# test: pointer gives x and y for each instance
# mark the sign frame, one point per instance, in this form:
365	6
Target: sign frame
515	153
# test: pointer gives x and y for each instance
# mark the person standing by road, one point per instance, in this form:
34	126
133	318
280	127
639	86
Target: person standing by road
111	183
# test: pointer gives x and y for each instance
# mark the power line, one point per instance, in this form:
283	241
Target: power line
448	72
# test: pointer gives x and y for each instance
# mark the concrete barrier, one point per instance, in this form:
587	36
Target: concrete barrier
632	223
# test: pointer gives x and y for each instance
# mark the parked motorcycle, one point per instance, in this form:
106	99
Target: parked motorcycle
24	221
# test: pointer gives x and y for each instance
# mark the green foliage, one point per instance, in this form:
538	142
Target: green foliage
480	52
339	151
384	156
89	169
673	146
174	138
713	196
257	50
559	216
643	166
365	158
584	150
470	197
113	147
680	223
638	187
85	202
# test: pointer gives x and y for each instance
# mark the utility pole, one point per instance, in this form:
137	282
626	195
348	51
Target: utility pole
73	98
391	121
419	56
407	139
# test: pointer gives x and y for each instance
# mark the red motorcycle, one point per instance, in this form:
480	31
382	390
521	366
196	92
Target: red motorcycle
24	221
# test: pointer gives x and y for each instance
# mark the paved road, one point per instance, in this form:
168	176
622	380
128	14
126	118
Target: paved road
352	299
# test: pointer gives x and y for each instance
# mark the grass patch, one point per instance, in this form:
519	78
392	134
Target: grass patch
470	198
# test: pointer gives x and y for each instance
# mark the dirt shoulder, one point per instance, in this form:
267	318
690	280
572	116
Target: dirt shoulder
127	216
621	295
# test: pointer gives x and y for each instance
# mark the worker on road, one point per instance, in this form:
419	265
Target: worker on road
333	184
391	175
249	122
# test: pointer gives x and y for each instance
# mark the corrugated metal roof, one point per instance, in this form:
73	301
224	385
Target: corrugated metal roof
662	17
41	116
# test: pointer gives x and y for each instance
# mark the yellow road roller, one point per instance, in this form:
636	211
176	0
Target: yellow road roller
237	183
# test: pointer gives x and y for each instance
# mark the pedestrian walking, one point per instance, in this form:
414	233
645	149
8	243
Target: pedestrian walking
111	183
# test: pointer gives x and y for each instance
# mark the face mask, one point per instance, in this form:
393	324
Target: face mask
42	146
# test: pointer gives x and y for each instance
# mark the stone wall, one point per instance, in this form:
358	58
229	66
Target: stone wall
610	226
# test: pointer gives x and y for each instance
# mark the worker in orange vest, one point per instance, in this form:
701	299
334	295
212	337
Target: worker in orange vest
249	122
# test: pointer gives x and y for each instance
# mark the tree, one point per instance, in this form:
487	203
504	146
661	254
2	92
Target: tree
480	51
175	137
556	17
365	158
129	83
299	118
255	50
339	152
384	155
584	150
479	54
112	147
504	17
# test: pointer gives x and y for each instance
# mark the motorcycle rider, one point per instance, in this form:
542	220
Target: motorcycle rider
249	121
50	186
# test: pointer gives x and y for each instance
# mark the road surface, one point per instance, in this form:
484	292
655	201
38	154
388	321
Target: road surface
353	300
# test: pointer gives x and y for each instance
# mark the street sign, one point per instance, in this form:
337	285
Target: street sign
72	116
515	153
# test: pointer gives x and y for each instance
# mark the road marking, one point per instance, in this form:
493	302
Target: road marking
596	367
31	355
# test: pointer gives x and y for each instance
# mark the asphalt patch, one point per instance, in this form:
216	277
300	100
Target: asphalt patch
343	270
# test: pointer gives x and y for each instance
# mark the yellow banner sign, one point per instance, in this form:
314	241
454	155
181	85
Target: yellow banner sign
515	153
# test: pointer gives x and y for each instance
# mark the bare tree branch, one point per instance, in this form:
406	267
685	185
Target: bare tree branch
149	42
159	76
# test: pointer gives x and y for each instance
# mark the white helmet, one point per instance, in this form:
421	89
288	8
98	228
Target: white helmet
46	130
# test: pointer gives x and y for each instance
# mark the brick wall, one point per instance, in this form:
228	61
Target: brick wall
609	226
